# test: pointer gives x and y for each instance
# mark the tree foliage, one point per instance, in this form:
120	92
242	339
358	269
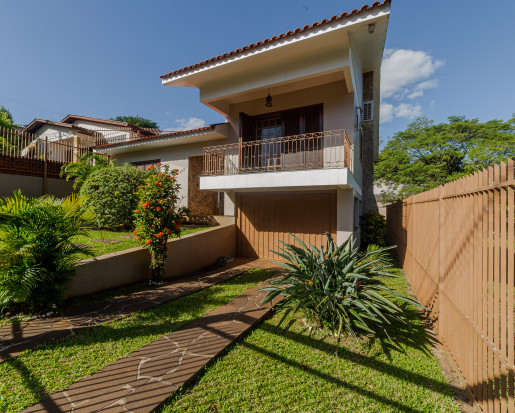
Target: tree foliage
6	118
427	154
137	120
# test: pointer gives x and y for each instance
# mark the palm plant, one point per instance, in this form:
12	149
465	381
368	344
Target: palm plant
86	164
375	252
337	288
37	253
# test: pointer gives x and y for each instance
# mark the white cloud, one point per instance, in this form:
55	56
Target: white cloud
405	72
419	89
402	110
407	110
188	123
386	112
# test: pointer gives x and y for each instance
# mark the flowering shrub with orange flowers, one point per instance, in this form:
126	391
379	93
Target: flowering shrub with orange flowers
157	217
338	288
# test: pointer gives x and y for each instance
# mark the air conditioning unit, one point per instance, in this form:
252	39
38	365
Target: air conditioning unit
368	111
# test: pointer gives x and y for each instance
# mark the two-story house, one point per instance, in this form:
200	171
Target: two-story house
296	154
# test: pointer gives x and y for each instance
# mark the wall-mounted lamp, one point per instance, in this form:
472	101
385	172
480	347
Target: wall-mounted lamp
268	103
371	28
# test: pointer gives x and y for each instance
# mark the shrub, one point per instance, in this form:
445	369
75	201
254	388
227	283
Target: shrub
37	255
111	194
80	171
157	216
373	229
337	288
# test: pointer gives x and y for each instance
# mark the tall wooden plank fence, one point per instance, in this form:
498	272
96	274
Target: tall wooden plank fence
456	244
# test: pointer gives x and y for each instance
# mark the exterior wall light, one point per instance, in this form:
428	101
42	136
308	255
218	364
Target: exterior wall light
268	103
371	28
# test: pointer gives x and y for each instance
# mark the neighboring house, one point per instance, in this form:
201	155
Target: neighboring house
86	131
109	131
296	154
75	136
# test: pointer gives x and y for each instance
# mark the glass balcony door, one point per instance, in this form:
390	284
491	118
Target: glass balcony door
267	132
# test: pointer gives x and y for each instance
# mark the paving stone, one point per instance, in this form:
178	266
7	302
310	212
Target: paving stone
143	380
18	337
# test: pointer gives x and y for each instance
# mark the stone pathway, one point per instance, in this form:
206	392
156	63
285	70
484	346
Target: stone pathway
143	380
20	336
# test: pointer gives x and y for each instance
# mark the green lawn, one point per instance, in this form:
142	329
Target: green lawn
25	379
103	241
272	372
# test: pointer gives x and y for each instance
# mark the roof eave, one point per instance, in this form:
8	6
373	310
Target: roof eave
183	77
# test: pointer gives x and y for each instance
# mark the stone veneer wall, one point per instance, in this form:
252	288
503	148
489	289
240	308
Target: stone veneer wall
200	202
367	149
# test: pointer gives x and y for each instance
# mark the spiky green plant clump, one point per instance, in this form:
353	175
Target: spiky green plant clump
337	288
37	255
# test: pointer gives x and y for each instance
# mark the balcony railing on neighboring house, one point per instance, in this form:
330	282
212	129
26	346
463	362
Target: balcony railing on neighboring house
16	145
328	149
122	134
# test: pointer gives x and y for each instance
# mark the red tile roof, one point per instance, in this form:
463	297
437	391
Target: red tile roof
72	118
37	123
161	135
276	38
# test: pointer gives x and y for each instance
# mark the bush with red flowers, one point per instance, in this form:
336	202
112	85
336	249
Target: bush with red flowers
157	216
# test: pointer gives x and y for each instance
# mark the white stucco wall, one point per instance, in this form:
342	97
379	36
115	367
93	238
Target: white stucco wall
337	112
55	133
176	156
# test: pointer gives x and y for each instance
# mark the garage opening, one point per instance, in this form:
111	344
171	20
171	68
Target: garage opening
265	219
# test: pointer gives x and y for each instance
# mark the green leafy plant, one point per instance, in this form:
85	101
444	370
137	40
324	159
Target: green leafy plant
337	288
157	216
37	255
373	229
80	171
111	194
377	253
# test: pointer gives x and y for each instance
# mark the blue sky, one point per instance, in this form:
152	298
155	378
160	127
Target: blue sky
103	58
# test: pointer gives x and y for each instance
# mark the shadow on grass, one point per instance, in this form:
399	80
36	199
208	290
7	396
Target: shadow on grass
371	361
157	321
368	361
32	383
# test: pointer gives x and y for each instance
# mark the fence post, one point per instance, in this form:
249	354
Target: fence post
440	264
45	165
409	225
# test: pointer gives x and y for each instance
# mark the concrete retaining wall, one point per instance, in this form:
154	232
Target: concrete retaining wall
32	186
190	253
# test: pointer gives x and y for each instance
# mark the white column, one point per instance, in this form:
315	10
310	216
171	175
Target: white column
229	204
345	214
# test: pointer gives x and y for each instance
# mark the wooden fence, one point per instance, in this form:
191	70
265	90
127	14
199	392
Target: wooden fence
456	244
23	153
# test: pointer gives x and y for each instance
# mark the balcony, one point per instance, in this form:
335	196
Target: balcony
321	159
